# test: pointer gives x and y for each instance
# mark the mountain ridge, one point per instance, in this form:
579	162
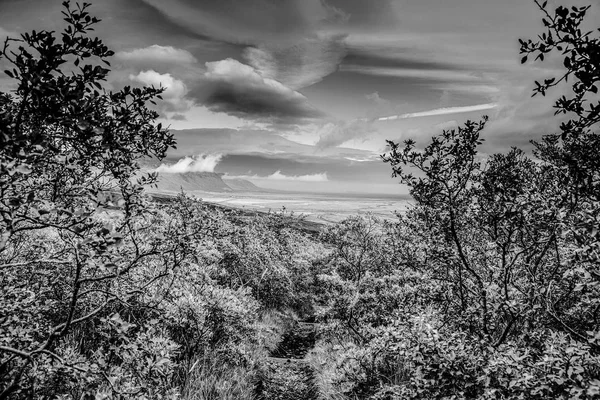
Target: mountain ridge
202	181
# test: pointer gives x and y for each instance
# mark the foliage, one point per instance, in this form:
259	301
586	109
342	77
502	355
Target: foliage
488	287
495	268
68	150
105	293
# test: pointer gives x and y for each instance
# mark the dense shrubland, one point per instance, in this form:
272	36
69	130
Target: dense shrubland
488	287
106	294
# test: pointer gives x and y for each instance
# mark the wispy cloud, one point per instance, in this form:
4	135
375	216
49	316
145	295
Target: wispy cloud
362	160
440	111
337	133
305	63
413	73
156	53
285	39
199	163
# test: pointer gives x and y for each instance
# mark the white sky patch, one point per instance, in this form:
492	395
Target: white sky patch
199	163
440	111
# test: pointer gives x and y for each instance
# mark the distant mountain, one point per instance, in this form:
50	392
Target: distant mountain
202	182
242	185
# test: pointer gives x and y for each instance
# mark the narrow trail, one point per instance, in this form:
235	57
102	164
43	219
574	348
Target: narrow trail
286	375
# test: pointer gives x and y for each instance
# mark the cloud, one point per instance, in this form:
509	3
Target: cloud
521	118
360	55
174	96
302	64
443	62
246	22
432	75
336	133
278	176
376	98
157	54
441	111
362	160
199	163
238	89
288	40
360	13
178	117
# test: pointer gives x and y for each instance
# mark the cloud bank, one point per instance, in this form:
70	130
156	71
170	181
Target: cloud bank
199	163
278	176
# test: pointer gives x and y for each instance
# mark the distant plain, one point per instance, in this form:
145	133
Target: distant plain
315	207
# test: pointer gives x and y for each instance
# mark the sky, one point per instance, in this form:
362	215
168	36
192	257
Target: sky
303	94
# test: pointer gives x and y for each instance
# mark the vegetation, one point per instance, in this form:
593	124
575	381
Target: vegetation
488	287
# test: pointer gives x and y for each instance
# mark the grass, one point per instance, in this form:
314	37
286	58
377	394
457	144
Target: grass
210	378
322	359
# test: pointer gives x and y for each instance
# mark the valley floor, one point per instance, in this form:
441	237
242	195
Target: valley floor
321	208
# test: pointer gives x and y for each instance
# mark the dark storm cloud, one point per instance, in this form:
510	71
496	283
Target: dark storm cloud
257	104
239	90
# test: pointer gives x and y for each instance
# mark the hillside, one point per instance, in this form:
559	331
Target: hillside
201	181
242	185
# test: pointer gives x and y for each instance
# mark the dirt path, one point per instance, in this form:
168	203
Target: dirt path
286	375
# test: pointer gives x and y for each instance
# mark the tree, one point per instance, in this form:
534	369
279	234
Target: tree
505	255
575	149
446	171
70	151
517	228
